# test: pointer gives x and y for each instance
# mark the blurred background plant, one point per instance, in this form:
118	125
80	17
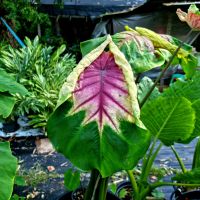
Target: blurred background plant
42	71
26	19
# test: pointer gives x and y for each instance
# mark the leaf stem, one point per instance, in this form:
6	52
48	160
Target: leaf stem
146	161
165	69
103	188
150	162
90	192
133	183
159	184
95	187
179	160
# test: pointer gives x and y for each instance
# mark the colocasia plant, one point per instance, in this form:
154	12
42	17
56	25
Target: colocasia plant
97	124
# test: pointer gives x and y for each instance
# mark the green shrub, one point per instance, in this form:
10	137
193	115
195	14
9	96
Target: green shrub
42	71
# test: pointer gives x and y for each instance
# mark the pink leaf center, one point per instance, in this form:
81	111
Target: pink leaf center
102	92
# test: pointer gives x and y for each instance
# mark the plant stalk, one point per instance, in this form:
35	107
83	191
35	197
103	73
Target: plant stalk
159	184
92	187
165	69
103	188
150	162
196	157
145	164
133	184
179	160
95	187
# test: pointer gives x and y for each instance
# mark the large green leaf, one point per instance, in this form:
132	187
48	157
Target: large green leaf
88	149
8	167
189	89
8	84
196	157
72	179
189	65
192	177
169	119
89	45
143	88
139	51
6	105
98	131
196	107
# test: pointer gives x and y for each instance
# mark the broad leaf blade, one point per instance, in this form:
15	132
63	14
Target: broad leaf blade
169	119
8	167
196	157
139	51
196	107
189	89
72	179
89	45
96	130
7	84
103	93
192	177
6	105
87	149
143	88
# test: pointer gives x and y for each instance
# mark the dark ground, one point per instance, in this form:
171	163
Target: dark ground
53	188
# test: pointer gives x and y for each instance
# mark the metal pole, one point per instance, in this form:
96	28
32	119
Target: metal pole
13	33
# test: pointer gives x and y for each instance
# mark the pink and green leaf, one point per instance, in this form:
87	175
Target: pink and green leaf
96	124
139	51
102	82
192	17
103	93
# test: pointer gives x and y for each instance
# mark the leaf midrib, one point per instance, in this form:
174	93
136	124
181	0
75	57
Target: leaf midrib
167	119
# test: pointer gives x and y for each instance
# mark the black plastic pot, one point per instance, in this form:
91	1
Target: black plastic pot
128	188
190	195
129	191
72	196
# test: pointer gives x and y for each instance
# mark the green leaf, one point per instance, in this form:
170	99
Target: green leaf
167	55
6	105
193	8
89	45
143	88
169	119
88	149
196	107
8	84
16	197
72	179
123	193
192	177
139	51
8	167
158	194
196	157
19	180
113	187
189	65
189	89
185	46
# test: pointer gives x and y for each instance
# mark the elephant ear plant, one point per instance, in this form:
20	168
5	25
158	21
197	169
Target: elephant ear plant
8	169
96	124
9	88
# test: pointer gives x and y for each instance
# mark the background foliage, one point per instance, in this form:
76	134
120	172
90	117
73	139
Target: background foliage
42	70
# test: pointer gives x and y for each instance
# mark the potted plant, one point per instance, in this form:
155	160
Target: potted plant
97	124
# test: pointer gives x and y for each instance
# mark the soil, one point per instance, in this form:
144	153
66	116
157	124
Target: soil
51	188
